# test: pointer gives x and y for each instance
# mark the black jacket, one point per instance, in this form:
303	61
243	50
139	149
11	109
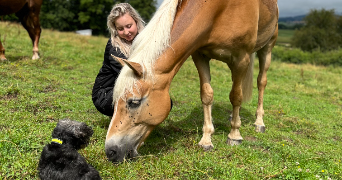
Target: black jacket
102	94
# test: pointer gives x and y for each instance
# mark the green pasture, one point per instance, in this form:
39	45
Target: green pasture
284	36
303	116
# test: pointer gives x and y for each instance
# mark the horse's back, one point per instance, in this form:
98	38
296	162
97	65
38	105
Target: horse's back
246	23
236	26
12	6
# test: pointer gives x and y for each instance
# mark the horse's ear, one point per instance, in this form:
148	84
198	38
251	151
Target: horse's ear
120	60
136	67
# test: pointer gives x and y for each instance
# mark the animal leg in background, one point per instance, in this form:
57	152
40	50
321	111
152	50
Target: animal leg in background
30	21
207	97
2	50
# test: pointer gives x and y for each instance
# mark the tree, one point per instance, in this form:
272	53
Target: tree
320	32
146	8
93	13
59	14
71	15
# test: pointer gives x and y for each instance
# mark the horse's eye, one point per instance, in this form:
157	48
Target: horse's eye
134	103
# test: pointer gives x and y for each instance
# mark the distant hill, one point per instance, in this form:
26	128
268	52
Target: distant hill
292	19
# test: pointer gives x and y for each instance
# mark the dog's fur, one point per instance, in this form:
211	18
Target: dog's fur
62	161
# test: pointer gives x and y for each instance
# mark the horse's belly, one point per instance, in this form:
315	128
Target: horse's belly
221	54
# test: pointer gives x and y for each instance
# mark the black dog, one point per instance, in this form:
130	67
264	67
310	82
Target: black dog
60	159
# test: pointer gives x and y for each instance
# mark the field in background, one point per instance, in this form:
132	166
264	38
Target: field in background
303	117
284	36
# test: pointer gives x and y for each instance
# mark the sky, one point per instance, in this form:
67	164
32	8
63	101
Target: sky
290	8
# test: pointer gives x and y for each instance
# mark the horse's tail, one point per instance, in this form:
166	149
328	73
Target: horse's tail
247	84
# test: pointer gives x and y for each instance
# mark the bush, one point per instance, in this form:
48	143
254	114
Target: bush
322	32
317	57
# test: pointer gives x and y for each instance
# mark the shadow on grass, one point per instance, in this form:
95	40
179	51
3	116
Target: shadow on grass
42	59
165	137
11	58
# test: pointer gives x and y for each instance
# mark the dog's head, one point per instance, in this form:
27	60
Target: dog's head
74	133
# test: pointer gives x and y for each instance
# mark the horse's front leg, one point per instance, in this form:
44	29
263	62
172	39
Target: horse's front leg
238	66
207	96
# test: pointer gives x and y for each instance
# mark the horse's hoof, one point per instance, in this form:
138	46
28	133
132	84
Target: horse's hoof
233	142
207	147
35	56
260	128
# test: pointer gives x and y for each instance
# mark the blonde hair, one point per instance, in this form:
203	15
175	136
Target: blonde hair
146	48
117	11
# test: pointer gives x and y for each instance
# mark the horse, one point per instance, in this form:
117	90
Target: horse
2	50
230	31
28	13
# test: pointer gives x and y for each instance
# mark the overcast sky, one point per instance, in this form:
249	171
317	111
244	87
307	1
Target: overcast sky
288	8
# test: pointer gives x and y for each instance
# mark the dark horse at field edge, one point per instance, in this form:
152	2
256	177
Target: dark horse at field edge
28	13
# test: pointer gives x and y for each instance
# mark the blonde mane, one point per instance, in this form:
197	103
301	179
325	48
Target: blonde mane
146	48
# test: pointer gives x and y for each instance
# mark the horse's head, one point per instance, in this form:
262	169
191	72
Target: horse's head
136	114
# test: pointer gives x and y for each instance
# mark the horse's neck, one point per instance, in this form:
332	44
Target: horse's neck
186	37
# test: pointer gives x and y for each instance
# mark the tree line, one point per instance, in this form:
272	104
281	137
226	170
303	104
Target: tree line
72	15
322	31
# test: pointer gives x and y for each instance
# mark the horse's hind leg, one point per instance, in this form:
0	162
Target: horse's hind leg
2	51
264	56
207	97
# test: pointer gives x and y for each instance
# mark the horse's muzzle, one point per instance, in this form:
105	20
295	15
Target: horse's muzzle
115	154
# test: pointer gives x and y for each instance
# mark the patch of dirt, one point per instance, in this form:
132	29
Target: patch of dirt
262	149
337	138
3	127
48	88
41	107
250	138
10	96
228	156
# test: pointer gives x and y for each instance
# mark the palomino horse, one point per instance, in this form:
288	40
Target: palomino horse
28	13
226	30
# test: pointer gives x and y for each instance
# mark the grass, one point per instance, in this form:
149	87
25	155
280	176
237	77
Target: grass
284	36
303	117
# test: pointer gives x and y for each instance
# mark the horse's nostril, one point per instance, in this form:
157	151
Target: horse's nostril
112	153
130	154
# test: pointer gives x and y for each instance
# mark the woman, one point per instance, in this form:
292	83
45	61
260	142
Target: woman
124	24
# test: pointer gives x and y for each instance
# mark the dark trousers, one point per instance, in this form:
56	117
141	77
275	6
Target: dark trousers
103	101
